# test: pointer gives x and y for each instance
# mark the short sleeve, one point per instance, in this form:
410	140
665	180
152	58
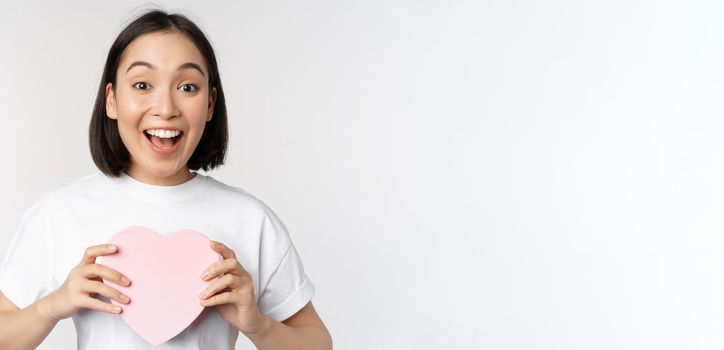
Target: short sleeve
285	287
24	273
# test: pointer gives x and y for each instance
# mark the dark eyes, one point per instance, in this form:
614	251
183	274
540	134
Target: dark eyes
142	85
194	87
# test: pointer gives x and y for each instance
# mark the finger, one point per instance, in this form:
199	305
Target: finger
90	254
106	273
219	299
95	304
222	249
230	265
107	291
230	281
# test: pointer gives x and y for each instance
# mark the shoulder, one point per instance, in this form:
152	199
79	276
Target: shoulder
48	204
54	196
235	196
87	185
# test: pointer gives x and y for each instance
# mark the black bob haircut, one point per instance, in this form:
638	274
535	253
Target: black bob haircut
107	149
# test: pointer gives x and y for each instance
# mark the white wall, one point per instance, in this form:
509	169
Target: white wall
456	175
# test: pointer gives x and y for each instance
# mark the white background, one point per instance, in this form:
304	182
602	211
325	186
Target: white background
455	175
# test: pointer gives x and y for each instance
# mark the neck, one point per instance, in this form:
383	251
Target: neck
152	179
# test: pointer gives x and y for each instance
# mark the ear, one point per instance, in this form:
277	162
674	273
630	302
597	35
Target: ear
212	103
111	102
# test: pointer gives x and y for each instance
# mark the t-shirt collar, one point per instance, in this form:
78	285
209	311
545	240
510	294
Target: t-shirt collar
158	193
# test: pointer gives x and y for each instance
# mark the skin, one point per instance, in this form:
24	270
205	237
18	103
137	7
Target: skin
163	96
167	96
233	293
146	98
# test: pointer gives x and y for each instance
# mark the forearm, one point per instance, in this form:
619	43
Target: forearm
277	336
25	328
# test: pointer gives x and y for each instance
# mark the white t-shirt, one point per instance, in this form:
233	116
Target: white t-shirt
56	229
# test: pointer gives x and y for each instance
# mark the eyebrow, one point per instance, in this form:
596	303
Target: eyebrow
187	65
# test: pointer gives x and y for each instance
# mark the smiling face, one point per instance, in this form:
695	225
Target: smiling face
161	83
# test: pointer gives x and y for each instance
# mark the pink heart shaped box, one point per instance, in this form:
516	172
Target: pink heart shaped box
165	274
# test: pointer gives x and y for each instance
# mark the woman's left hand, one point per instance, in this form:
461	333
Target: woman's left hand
235	298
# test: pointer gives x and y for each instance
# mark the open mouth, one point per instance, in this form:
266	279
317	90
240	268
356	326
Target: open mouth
164	142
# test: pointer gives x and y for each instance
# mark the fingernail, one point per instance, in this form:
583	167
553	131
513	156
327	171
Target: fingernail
125	280
111	248
125	298
117	309
202	295
204	275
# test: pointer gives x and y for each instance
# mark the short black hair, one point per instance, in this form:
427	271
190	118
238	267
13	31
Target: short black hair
107	149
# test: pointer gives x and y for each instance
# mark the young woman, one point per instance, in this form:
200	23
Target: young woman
159	115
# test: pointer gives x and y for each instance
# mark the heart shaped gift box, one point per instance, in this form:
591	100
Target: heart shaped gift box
165	274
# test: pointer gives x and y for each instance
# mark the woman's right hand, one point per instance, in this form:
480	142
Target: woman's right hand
83	282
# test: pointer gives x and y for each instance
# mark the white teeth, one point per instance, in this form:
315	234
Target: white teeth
163	133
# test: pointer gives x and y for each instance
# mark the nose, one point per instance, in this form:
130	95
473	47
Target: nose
164	105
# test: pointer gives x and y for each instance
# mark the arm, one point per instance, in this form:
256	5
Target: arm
233	296
27	328
304	330
23	328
